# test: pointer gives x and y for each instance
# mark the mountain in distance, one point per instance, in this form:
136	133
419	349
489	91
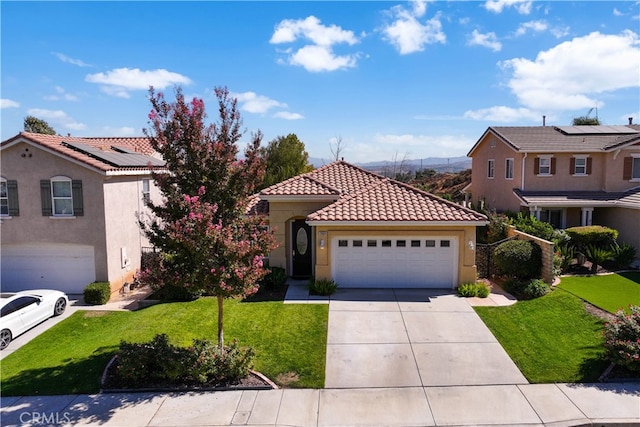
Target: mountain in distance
439	164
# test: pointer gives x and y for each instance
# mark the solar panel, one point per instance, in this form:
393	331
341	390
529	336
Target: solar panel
117	159
596	130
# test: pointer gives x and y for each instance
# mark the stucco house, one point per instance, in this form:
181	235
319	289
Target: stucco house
565	175
360	229
69	209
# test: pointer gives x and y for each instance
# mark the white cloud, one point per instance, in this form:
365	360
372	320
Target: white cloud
503	114
288	115
318	55
64	58
616	12
8	103
488	40
407	34
568	75
61	94
119	131
523	7
56	118
254	103
533	26
118	82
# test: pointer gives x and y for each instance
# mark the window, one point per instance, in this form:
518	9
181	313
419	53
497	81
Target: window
635	173
372	243
357	243
430	243
386	243
580	166
401	243
9	198
544	166
445	243
343	243
415	243
61	197
490	168
146	196
508	172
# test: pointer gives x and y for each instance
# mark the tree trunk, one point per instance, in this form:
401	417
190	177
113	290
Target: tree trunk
220	325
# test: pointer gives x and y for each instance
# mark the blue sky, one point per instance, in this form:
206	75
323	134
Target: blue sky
404	79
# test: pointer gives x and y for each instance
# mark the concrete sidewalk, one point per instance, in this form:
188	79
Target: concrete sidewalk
504	405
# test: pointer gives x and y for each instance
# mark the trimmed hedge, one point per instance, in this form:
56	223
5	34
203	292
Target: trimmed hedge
592	235
520	259
97	293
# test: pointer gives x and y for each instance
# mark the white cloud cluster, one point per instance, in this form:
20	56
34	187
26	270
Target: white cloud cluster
259	104
408	34
523	7
569	76
64	58
319	54
56	118
8	103
61	95
489	40
120	81
540	26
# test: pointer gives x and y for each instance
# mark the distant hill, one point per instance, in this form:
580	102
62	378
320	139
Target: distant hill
439	164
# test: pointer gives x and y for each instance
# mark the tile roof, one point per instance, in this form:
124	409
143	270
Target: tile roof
556	139
363	196
630	198
58	143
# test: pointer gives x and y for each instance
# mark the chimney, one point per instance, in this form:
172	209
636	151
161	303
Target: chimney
544	120
630	120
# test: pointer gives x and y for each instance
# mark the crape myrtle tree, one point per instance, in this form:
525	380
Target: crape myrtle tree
206	241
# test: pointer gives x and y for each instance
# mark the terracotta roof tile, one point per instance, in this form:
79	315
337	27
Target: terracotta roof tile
301	185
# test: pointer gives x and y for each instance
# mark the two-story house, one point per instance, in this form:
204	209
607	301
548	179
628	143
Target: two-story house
565	175
69	210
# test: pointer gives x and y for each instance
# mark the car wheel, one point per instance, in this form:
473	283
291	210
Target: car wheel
5	338
60	307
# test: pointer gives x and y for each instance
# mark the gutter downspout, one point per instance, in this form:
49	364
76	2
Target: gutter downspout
524	159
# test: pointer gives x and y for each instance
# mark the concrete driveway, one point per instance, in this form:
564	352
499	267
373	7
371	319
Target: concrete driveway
411	338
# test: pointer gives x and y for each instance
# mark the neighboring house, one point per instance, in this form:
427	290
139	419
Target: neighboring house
69	208
565	175
360	229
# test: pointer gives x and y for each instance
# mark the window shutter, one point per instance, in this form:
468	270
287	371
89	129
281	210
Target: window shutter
45	197
536	165
553	166
78	205
589	165
12	197
627	168
572	166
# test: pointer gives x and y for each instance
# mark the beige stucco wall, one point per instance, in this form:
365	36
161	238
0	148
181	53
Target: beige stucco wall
564	179
33	228
466	256
613	174
497	193
626	221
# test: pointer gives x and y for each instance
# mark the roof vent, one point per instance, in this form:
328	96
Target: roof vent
630	120
544	120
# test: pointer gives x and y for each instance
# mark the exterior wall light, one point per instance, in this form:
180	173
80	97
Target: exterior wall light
471	245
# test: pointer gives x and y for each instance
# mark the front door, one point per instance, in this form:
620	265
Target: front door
302	256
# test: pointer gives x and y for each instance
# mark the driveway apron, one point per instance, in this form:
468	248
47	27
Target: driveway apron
411	338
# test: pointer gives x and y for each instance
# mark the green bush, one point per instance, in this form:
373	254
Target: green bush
158	362
520	259
322	286
536	288
97	293
531	225
623	255
176	293
622	339
478	289
592	235
597	256
276	278
562	258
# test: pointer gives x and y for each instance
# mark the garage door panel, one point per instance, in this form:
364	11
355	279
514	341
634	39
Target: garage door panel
416	262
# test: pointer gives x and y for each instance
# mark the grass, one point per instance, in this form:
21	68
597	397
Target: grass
609	292
551	339
289	340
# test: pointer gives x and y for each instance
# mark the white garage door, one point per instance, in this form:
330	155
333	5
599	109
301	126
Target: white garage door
399	262
68	268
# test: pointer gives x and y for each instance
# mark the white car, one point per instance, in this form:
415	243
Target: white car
21	311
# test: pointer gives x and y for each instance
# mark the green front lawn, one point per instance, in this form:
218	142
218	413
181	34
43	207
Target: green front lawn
609	292
289	340
551	339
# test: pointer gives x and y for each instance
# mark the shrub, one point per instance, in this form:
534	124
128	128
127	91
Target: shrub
97	293
514	286
495	231
158	362
594	235
519	259
322	286
562	258
623	255
276	278
531	225
597	256
478	289
622	339
536	288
